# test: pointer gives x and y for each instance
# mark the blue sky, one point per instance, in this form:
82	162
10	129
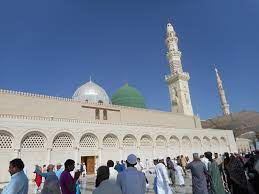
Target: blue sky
52	47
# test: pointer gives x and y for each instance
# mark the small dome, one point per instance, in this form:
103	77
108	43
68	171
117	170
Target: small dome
91	92
128	96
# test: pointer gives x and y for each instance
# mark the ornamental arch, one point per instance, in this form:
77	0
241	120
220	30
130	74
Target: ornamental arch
129	145
146	148
33	150
215	146
161	141
206	144
196	145
6	140
63	140
161	146
110	148
129	141
110	141
33	140
174	146
146	141
6	152
186	146
223	145
89	140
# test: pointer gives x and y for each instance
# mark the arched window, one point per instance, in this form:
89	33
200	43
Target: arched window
160	141
129	141
33	140
88	141
100	101
105	117
146	141
110	141
97	114
6	140
63	140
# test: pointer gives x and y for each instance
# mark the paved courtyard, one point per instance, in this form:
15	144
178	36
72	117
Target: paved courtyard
87	185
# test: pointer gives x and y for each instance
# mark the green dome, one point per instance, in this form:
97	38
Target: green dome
128	96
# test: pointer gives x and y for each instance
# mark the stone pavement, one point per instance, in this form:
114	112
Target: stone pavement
87	185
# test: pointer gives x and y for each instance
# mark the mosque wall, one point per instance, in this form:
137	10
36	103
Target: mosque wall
243	145
18	103
41	141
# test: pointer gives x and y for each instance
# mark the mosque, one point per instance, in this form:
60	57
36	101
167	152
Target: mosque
91	127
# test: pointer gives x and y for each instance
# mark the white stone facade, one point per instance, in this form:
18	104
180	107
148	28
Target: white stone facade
40	139
243	145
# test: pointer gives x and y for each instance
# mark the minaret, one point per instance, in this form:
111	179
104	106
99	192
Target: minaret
223	100
177	80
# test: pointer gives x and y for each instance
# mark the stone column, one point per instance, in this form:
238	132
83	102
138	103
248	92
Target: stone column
49	155
100	157
120	152
154	152
17	153
76	154
167	151
138	151
181	147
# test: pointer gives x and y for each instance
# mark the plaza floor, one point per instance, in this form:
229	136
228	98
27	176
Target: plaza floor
87	185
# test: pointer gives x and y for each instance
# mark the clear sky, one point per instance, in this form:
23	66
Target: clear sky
53	46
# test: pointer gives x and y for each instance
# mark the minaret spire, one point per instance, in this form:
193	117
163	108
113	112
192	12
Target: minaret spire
177	80
223	100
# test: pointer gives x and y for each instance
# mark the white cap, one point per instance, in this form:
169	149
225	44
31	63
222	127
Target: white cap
132	159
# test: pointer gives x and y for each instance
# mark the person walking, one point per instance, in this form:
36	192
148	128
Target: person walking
38	181
179	175
132	181
19	181
139	165
199	172
238	181
171	169
51	183
59	170
213	171
183	163
67	182
113	172
103	184
162	179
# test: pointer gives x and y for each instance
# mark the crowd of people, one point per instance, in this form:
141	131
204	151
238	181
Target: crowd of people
218	174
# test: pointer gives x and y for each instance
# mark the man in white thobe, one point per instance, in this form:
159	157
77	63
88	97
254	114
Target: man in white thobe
139	165
113	172
205	161
162	179
132	181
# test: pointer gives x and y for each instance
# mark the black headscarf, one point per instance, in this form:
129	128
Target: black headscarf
103	173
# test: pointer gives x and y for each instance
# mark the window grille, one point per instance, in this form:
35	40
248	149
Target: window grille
33	140
160	141
6	141
146	141
88	141
63	141
110	141
129	142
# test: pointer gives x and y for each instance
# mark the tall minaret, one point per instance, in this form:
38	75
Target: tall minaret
177	80
223	100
